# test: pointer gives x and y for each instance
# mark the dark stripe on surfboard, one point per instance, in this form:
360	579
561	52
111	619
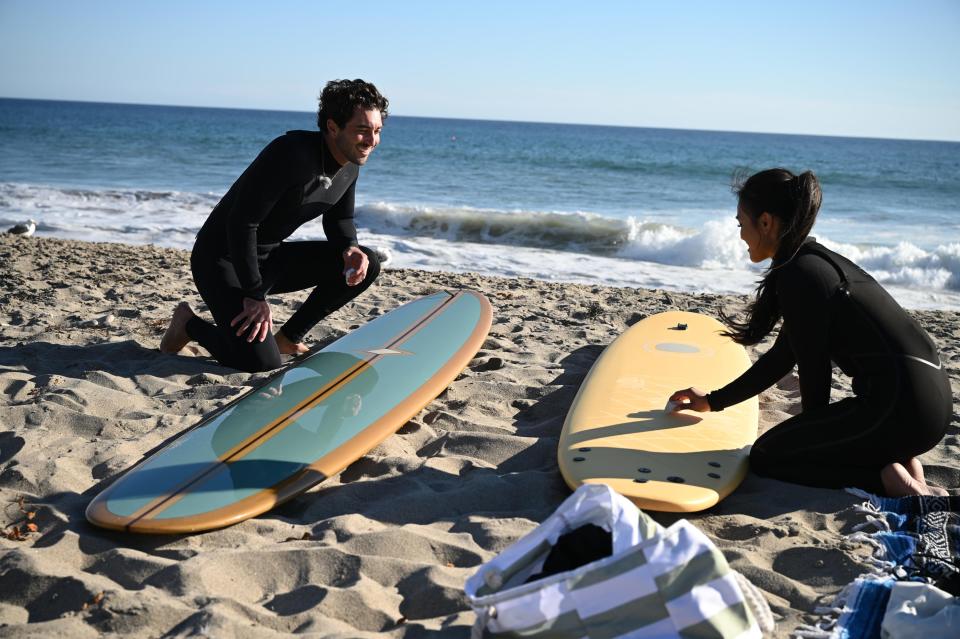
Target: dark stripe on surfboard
253	441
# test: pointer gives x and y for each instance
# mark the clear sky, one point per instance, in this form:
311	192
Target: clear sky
873	68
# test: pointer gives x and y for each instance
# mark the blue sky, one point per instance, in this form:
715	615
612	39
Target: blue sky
861	68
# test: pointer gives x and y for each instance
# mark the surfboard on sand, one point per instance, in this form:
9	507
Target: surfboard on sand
305	424
618	433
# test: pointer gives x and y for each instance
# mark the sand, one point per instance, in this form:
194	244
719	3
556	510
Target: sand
384	548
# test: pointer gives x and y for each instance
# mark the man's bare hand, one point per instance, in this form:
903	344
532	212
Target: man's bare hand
355	263
255	320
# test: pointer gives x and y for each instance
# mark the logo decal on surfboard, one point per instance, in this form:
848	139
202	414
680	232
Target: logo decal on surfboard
385	351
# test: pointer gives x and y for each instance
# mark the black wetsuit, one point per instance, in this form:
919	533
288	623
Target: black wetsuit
240	250
902	403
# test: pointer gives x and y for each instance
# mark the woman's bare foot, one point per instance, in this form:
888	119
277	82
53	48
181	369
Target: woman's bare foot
175	338
915	468
901	481
287	347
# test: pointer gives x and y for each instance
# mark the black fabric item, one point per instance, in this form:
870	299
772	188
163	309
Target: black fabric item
835	313
579	547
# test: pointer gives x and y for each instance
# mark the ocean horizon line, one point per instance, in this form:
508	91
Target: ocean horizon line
494	120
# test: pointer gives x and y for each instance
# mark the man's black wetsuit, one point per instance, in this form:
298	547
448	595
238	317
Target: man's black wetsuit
902	404
240	250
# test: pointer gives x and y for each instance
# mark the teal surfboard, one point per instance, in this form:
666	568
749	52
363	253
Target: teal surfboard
305	424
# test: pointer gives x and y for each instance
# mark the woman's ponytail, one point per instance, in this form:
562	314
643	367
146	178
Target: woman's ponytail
795	201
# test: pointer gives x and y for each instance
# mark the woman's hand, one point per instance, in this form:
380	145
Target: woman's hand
355	264
255	318
688	399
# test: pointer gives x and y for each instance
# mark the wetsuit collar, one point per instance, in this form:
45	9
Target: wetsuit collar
327	158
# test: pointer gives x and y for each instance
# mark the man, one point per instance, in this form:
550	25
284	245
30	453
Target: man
240	255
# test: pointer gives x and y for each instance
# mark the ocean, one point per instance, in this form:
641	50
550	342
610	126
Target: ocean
597	204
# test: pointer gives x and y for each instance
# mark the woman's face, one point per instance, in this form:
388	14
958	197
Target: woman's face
759	235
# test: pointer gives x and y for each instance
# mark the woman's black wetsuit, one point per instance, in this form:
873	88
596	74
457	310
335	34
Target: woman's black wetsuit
902	403
240	250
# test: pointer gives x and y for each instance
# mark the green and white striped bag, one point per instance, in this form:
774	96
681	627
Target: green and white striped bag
658	582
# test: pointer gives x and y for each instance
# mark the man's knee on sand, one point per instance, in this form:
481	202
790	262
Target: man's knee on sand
258	358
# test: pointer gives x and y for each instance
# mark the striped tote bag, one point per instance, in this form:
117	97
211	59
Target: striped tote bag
642	581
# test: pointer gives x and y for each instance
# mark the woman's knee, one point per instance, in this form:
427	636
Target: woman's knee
762	462
769	458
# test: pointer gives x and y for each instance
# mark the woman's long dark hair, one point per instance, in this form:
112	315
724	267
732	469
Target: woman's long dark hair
795	201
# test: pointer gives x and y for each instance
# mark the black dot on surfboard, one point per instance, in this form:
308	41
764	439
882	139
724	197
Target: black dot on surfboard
584	450
643	470
676	480
714	475
641	480
579	458
714	464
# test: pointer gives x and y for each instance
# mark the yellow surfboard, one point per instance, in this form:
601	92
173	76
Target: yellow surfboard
618	433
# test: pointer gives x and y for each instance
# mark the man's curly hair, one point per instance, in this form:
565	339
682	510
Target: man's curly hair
340	98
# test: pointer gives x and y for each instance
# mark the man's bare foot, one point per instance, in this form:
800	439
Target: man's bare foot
175	338
900	482
287	347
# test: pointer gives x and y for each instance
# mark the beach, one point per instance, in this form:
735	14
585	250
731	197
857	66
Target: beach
384	548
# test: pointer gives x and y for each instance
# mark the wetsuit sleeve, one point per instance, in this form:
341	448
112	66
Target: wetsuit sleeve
338	224
770	367
805	293
259	188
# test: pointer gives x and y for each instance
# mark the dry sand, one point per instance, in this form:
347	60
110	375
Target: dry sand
384	548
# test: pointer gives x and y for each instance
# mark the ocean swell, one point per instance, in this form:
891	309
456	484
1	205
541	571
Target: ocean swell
172	218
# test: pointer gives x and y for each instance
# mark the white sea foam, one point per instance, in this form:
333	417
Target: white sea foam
167	218
493	259
647	251
715	245
906	264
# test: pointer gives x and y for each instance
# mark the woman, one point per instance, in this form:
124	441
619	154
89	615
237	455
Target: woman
833	312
